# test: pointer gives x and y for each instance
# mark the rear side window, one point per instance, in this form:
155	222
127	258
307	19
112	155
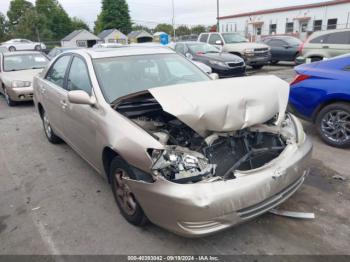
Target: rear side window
213	38
78	78
204	38
58	70
339	38
320	39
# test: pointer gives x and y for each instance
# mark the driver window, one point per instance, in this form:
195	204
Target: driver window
213	38
78	78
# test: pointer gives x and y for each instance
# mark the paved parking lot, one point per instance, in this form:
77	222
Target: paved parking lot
52	202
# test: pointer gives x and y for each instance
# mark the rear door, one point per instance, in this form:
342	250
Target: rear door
54	95
277	49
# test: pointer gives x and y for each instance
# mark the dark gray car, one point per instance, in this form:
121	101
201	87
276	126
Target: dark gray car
283	48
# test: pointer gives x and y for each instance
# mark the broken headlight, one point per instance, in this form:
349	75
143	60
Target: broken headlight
295	127
181	165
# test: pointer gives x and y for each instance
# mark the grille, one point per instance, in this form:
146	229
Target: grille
232	64
261	50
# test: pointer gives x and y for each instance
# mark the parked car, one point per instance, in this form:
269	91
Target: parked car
224	64
23	45
320	94
3	49
59	50
16	74
283	48
178	148
326	44
254	54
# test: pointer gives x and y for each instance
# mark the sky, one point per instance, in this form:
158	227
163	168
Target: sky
152	12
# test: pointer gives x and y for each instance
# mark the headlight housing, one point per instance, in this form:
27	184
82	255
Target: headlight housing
18	84
295	127
218	63
181	165
249	51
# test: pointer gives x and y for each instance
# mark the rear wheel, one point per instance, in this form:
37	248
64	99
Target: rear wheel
258	67
316	59
50	134
12	49
8	99
126	201
274	62
333	125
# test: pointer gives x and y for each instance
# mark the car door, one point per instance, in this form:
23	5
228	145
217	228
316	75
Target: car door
277	49
54	95
27	45
81	121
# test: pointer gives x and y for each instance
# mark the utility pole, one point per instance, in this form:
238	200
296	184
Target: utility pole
174	19
218	15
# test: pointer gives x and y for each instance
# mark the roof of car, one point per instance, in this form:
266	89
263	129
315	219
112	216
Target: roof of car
21	53
124	51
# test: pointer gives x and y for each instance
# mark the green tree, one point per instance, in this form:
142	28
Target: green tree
17	9
114	14
166	28
198	29
140	28
78	23
3	27
183	30
57	20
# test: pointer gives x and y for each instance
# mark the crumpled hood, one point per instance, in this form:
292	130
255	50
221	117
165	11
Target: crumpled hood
225	105
23	75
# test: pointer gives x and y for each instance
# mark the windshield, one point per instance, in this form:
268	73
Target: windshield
233	38
120	76
24	62
202	48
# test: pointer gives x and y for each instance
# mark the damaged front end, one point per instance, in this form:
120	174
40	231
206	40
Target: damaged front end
207	177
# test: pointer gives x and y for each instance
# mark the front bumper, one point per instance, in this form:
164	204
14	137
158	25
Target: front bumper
21	94
194	210
229	72
257	59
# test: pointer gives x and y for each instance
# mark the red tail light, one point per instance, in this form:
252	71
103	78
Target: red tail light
200	53
299	78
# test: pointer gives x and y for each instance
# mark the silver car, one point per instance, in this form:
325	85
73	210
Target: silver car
23	45
16	74
190	154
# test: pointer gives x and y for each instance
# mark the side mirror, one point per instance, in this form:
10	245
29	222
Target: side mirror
218	42
81	98
214	76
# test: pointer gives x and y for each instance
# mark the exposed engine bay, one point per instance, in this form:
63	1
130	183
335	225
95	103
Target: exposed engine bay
192	158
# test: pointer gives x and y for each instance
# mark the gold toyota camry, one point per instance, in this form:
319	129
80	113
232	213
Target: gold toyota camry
190	153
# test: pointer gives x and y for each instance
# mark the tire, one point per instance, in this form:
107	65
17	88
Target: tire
8	99
126	201
50	134
12	49
37	48
333	125
257	67
274	62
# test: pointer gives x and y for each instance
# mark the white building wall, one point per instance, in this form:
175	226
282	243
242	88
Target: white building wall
245	25
83	36
116	37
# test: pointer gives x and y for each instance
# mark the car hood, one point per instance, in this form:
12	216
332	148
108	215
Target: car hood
225	105
23	75
222	57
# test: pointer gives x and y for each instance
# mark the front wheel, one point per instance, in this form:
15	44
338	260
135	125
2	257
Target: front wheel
333	125
12	49
126	201
50	134
37	48
258	67
8	99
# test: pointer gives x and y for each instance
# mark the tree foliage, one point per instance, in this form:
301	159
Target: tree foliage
140	28
78	23
17	9
183	30
114	14
166	28
3	27
198	29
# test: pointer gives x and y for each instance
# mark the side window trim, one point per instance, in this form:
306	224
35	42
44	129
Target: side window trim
65	73
87	71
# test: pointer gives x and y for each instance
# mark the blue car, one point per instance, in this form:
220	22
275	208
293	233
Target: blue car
320	93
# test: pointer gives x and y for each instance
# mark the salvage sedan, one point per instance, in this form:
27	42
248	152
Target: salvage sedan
16	74
190	154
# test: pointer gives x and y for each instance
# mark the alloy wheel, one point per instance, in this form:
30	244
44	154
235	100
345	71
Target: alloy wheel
47	126
335	126
7	97
124	195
